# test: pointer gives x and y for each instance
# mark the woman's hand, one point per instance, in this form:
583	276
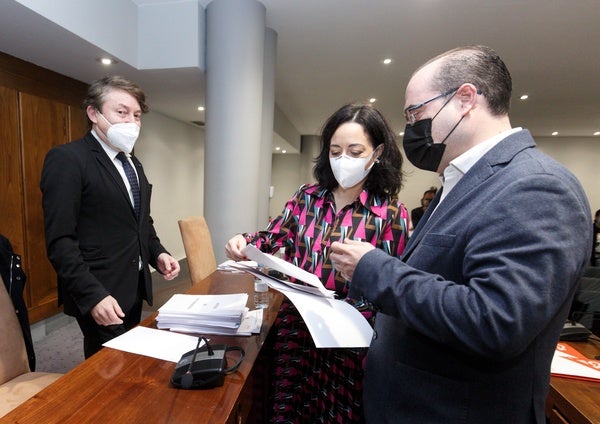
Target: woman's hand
233	248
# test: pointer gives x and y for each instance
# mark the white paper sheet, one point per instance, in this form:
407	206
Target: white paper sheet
285	267
159	344
317	291
199	305
569	362
331	322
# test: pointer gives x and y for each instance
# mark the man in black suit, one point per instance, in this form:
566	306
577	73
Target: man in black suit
100	237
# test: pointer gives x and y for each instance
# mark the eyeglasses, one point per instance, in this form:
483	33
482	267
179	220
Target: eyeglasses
409	112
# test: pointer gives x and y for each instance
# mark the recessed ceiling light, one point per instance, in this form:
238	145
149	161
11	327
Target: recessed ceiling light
387	61
107	61
277	148
524	97
401	133
372	100
555	133
597	133
201	108
283	151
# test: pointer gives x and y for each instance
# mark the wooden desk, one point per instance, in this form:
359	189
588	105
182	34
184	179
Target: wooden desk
119	387
575	401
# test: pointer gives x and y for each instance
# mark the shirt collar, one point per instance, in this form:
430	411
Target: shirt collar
365	199
460	165
464	162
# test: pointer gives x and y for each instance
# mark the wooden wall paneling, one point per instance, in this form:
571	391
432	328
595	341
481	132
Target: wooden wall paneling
44	124
38	109
78	125
11	191
29	78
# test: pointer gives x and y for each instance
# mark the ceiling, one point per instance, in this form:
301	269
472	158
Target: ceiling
330	52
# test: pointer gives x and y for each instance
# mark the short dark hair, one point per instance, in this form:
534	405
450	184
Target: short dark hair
432	190
385	177
480	66
99	88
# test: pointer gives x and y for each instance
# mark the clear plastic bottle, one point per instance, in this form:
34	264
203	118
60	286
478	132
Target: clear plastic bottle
261	294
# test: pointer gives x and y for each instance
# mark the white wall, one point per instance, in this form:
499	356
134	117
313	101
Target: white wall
415	183
285	177
172	153
581	155
142	36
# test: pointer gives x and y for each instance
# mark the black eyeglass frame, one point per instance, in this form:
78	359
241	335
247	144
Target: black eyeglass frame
408	112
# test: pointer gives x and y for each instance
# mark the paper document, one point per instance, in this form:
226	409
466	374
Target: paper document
286	268
570	363
331	322
253	269
154	343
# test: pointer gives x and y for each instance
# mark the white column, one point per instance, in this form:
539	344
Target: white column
235	41
266	148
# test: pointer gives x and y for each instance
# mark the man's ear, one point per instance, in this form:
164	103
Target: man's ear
92	114
467	94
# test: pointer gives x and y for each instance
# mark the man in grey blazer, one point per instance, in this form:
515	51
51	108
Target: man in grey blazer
469	316
100	237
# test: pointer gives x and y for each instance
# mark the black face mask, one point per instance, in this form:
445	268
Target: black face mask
418	144
419	147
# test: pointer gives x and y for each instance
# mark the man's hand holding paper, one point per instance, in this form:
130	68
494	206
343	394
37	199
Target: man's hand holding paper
345	256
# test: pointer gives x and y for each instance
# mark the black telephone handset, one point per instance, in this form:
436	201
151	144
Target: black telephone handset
204	367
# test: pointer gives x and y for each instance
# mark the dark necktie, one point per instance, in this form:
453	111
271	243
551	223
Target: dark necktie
133	182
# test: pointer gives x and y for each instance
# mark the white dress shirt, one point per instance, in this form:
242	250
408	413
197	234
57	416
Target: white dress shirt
460	165
112	154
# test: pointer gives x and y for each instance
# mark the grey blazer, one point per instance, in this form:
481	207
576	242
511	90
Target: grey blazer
470	316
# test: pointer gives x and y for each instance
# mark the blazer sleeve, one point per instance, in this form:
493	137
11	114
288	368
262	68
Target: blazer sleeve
495	276
153	244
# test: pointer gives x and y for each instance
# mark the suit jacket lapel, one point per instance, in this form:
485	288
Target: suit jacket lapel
425	222
109	167
484	168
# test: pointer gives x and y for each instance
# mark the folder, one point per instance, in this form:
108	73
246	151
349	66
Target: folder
570	363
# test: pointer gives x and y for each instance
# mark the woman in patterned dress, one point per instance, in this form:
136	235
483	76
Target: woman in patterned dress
358	175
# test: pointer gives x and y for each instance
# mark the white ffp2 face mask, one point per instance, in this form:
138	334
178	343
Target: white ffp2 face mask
350	171
122	135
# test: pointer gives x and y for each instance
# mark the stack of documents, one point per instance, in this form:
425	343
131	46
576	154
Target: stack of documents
208	314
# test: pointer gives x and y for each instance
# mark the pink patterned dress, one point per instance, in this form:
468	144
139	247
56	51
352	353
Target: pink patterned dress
310	385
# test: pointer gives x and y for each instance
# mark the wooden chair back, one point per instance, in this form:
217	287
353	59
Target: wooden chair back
13	355
198	247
